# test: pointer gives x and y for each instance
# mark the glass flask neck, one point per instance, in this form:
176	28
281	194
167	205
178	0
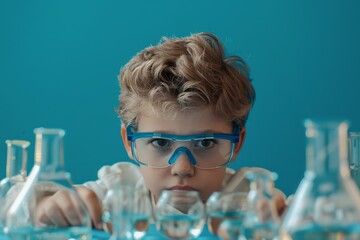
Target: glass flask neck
16	158
354	148
262	182
326	149
49	153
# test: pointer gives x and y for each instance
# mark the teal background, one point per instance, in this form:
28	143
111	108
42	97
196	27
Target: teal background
59	62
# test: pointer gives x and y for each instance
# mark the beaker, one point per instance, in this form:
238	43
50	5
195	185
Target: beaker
46	177
261	218
326	204
16	161
354	156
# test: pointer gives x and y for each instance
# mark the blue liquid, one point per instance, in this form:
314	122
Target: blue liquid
316	232
263	231
180	226
234	222
28	233
141	225
139	222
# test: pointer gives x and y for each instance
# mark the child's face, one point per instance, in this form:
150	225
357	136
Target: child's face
182	174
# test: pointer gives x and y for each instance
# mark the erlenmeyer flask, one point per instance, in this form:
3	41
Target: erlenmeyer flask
47	176
15	174
261	219
326	204
142	212
354	156
118	212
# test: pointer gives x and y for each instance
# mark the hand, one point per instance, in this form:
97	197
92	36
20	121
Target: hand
61	209
280	204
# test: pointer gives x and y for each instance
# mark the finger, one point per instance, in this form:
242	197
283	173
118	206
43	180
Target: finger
48	213
280	204
92	204
68	207
55	216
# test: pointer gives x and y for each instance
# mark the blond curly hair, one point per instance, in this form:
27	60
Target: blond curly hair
182	74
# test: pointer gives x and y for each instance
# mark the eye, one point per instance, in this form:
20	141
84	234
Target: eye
160	142
205	143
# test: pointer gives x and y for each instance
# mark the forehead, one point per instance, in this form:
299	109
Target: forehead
193	121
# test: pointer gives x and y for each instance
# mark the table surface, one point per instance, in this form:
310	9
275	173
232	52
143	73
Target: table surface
151	234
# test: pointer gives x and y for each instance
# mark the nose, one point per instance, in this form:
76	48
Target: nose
182	162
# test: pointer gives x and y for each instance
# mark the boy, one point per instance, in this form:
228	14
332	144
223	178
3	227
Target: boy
173	97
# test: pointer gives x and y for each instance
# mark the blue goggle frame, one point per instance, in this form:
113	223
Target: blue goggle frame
132	136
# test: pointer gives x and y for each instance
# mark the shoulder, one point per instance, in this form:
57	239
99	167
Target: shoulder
120	172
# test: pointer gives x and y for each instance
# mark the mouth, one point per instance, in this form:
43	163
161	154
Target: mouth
183	188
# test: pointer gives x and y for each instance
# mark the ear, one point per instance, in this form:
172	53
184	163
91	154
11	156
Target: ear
239	144
127	143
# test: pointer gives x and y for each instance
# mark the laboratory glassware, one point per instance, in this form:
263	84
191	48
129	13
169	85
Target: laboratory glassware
16	160
47	177
118	205
142	212
354	156
261	219
225	213
180	214
326	204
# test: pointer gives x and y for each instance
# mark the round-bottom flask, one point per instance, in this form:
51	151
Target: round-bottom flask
180	214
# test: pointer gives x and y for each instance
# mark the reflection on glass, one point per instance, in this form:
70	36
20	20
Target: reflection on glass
225	213
180	214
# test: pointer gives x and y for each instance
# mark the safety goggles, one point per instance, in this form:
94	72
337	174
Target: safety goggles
205	151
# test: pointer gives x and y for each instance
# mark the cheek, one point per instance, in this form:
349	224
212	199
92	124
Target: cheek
210	181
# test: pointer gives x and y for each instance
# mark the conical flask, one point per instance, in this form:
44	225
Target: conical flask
15	173
326	204
118	207
46	177
261	219
354	156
